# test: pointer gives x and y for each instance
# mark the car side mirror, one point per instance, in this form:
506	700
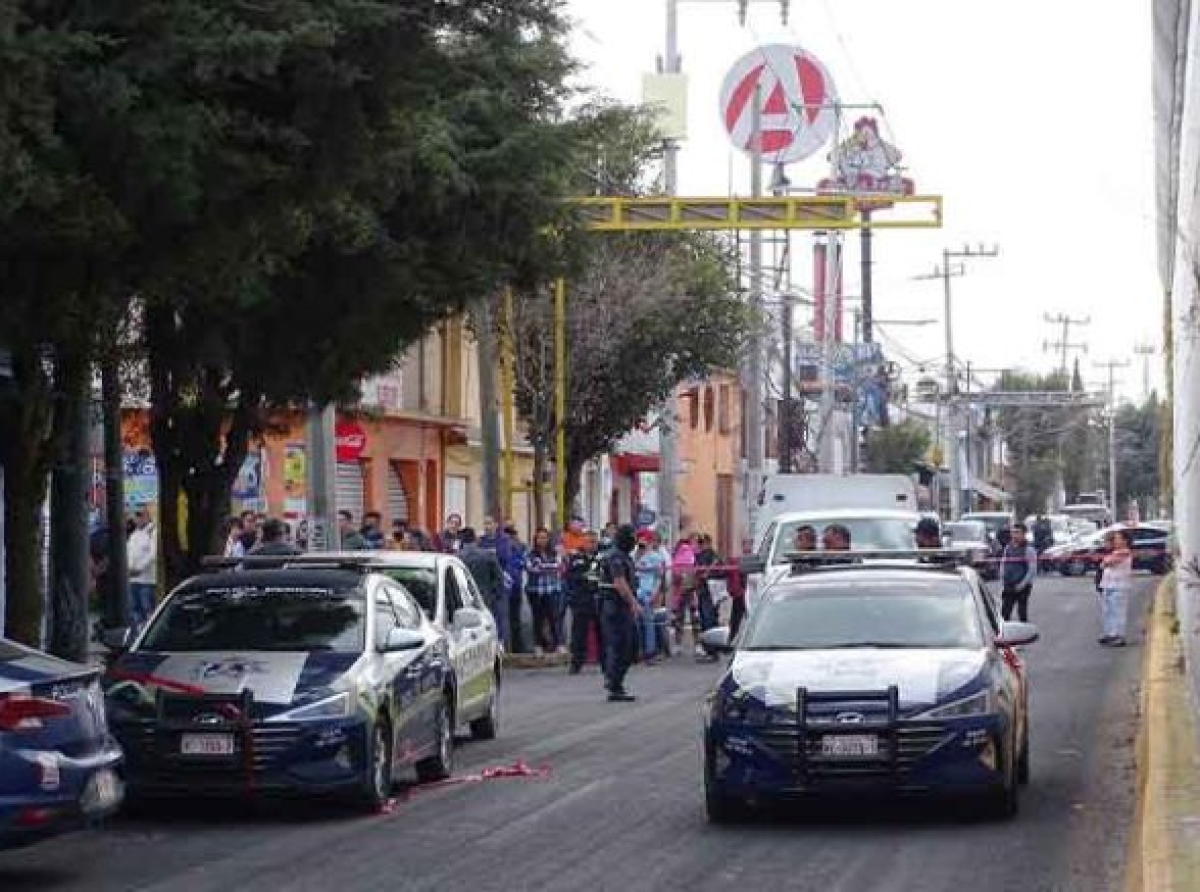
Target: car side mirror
716	640
467	618
1013	634
402	639
752	563
117	640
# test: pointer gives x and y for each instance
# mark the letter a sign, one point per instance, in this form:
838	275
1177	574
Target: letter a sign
798	103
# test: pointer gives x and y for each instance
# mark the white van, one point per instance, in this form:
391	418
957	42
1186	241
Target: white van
787	493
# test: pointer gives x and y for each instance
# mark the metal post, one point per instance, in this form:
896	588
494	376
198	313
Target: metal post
951	391
754	366
560	401
786	408
832	286
668	502
322	470
865	240
117	603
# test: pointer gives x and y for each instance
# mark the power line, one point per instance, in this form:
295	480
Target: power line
1063	345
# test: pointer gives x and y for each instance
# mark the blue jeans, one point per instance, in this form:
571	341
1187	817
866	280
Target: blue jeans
1114	604
499	608
141	601
646	627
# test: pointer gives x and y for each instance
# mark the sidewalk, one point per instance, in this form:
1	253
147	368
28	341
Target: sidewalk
1165	842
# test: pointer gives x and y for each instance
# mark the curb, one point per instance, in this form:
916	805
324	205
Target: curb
1165	839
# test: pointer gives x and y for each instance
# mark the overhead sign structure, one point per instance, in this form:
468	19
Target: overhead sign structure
798	103
866	165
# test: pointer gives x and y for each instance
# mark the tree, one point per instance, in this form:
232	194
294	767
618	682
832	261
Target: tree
1138	441
309	186
897	449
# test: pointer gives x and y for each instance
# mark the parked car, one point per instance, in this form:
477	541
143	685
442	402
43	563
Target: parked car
972	535
60	768
314	680
869	677
1150	544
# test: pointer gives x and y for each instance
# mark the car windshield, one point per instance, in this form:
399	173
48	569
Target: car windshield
966	531
283	618
833	614
993	522
866	533
421	583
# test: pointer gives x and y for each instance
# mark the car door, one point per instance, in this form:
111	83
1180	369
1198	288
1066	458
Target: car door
392	688
459	640
425	672
1007	662
755	582
482	646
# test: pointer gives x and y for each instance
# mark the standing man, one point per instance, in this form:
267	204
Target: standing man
351	538
929	533
489	577
514	571
372	530
582	597
1018	569
274	541
619	612
143	565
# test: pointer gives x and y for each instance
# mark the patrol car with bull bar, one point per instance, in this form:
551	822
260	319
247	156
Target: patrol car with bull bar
261	678
870	671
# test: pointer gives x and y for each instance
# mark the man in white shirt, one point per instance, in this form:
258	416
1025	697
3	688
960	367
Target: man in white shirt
143	565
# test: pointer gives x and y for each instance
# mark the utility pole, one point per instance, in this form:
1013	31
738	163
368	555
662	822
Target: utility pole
786	409
322	497
754	365
1111	366
1145	351
1063	345
946	272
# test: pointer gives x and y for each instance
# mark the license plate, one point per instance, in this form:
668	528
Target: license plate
103	792
206	745
850	745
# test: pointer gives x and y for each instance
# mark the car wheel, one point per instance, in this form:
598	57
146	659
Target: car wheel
721	808
377	787
1003	804
485	728
441	763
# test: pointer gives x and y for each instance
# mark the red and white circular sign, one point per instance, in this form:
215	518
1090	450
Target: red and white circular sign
351	441
798	103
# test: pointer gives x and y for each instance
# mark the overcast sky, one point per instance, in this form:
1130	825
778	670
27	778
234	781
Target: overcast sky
1031	117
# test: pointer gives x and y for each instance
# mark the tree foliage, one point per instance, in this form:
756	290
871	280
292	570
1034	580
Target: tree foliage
897	449
1138	441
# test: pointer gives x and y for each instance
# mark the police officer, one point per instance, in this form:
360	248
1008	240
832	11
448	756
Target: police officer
582	598
619	610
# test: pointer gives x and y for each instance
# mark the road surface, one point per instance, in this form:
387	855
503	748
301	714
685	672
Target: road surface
621	807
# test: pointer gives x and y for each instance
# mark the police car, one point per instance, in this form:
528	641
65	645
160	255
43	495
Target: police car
60	769
448	595
267	679
873	674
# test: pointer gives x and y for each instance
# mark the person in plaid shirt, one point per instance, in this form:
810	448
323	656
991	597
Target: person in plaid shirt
544	590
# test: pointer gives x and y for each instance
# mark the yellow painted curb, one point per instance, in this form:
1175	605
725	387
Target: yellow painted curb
1165	841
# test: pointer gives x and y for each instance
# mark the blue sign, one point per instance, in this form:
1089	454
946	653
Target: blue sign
646	518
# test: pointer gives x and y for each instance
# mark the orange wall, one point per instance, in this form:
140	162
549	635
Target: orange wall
708	449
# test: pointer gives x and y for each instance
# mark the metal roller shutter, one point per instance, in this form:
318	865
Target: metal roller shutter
397	498
351	489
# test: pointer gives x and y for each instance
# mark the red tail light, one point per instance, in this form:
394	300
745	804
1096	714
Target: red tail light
20	712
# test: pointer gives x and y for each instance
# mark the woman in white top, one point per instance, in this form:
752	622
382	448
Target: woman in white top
1115	579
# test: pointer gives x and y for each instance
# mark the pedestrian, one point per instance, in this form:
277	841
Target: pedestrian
372	530
1018	570
234	547
249	531
928	533
574	537
651	568
737	596
351	538
142	557
582	595
485	569
450	539
683	582
544	589
608	536
836	537
708	571
619	612
274	540
514	571
1115	581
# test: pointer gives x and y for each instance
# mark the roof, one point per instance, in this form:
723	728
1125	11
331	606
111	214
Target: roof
873	573
324	577
846	514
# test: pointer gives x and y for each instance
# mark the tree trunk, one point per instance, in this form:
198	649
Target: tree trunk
489	422
70	570
25	452
116	588
539	491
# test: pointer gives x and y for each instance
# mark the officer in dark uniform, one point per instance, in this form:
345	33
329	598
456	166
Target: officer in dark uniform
619	610
583	599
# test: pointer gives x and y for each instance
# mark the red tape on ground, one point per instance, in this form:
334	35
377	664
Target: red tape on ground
517	770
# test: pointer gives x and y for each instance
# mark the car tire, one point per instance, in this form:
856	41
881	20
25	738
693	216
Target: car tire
1003	804
485	728
439	766
720	807
377	785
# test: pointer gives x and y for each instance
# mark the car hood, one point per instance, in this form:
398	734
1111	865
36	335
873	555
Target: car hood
924	676
276	679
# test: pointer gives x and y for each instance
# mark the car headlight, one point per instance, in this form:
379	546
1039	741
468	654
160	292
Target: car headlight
336	707
977	704
744	708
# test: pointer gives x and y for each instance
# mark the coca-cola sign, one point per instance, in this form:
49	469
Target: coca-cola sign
351	441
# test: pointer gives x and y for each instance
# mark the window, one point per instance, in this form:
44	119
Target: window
694	407
454	598
470	591
710	409
421	583
385	616
407	612
724	422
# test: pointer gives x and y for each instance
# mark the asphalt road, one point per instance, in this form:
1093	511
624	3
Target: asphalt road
621	806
